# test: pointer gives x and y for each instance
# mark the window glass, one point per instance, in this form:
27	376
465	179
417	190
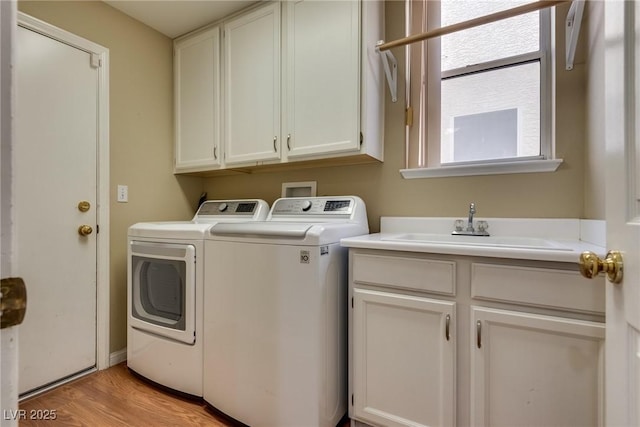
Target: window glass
475	124
488	42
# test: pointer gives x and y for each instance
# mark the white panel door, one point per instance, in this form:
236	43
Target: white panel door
533	370
622	135
8	336
55	168
252	86
322	75
403	359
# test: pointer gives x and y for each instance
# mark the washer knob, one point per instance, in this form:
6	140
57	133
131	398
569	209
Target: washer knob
223	207
306	205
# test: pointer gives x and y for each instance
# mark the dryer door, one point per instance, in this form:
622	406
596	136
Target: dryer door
161	289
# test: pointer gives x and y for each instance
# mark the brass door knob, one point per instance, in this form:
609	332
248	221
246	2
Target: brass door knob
85	230
591	265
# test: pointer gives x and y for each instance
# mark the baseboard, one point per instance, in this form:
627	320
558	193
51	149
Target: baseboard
118	357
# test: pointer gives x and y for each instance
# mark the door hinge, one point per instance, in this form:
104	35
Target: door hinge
96	62
14	301
408	116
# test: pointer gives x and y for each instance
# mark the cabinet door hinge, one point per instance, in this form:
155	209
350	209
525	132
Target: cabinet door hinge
95	61
408	116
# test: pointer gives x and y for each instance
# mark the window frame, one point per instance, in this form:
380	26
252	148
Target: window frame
422	136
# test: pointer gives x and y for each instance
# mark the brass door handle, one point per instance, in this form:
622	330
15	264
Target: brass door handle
85	230
591	265
13	302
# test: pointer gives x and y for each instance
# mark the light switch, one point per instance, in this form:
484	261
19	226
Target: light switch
123	193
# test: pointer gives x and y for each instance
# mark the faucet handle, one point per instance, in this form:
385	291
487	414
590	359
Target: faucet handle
458	224
482	226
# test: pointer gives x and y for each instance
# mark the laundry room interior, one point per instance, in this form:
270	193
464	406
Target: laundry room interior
142	133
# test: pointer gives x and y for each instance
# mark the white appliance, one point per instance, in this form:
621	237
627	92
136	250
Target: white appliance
165	293
275	325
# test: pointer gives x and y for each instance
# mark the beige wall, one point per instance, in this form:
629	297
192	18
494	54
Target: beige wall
141	129
558	194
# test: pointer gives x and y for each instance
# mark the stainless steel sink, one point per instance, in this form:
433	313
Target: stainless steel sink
486	241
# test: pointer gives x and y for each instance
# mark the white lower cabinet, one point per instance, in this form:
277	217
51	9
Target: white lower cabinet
439	340
535	370
404	356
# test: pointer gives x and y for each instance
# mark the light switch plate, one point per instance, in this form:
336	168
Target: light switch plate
123	193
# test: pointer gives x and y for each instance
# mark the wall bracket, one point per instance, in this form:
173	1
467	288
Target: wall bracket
390	70
572	31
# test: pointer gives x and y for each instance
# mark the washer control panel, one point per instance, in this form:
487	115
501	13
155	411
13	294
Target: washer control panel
228	207
314	206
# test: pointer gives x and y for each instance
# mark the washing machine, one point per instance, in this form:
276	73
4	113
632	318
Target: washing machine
275	325
165	307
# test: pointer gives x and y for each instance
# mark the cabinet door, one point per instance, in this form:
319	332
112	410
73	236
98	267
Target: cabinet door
197	101
535	370
252	86
322	75
403	359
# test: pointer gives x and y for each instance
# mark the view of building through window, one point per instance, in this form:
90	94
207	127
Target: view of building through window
491	84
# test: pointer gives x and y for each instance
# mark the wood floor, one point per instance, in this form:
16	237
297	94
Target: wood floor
115	397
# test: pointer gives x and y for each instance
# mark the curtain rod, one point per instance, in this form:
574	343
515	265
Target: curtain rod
487	19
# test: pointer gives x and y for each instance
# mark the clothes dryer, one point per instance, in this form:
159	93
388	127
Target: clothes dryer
275	325
165	293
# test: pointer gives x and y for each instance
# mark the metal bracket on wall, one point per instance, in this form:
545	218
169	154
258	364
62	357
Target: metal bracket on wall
572	30
390	70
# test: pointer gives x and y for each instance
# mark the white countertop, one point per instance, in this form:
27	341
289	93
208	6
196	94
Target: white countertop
570	236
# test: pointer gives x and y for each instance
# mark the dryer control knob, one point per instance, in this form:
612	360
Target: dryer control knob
223	207
306	205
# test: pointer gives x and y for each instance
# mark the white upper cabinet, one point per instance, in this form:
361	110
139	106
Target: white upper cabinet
252	86
322	77
197	101
295	81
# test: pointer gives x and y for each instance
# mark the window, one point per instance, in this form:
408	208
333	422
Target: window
480	98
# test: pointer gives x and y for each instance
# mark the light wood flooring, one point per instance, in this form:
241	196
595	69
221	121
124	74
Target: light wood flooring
115	397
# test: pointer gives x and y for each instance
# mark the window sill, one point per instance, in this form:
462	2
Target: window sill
497	168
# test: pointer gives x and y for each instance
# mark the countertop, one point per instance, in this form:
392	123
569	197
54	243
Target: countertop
570	236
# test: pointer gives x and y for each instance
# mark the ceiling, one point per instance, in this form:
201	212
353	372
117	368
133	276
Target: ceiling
174	18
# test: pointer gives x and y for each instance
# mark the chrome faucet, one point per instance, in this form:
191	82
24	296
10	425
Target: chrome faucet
470	230
472	212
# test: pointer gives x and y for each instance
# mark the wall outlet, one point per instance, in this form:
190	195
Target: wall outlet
123	193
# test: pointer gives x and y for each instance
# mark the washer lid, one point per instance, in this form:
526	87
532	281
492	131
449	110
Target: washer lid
262	229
